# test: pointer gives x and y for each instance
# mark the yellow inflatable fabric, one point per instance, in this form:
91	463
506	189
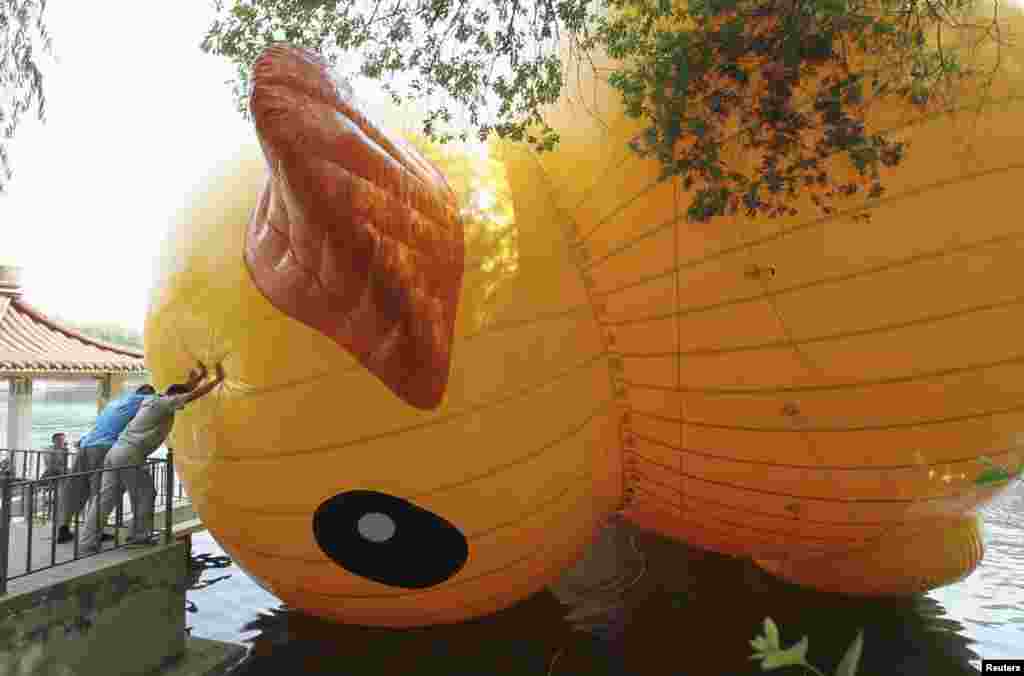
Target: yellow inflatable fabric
519	457
813	393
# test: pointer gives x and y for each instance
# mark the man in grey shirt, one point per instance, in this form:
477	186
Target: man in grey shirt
55	460
144	434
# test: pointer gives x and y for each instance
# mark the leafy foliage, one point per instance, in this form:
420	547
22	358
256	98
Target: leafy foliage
466	51
788	80
22	34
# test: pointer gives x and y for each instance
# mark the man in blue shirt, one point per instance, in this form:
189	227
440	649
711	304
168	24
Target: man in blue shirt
92	450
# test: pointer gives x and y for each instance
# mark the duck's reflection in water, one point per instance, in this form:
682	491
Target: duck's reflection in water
597	593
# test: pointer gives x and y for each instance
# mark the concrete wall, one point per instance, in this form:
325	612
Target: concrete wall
119	613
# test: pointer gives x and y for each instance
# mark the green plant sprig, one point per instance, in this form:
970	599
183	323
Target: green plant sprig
768	648
995	473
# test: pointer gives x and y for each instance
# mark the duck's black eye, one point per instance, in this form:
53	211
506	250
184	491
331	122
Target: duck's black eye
389	540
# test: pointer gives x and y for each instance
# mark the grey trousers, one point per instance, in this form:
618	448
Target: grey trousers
75	491
138	483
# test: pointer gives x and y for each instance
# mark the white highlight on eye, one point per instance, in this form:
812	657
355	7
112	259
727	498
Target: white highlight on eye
376	527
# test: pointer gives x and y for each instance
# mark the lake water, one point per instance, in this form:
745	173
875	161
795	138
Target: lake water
667	610
70	412
75	418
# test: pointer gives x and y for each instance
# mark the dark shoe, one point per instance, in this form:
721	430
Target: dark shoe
64	535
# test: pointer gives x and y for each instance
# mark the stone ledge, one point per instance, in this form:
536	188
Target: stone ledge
121	612
205	657
46	583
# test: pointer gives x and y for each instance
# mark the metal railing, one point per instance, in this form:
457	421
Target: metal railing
36	499
31	465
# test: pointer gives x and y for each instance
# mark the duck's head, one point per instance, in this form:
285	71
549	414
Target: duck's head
367	458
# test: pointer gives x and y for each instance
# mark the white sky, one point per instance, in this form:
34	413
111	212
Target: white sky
136	114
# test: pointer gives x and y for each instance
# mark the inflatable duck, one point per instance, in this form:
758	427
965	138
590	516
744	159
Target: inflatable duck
421	425
414	429
815	392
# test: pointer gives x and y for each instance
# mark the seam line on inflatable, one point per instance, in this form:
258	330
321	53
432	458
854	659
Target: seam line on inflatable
839	542
438	420
829	468
895	380
679	338
782	516
812	498
570	230
543	508
936	254
963	178
533	455
930	319
809	101
853	428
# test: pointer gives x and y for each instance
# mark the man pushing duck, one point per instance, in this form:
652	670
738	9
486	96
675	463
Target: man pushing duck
144	434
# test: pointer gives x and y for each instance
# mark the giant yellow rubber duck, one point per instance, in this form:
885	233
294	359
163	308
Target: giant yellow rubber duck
423	423
415	428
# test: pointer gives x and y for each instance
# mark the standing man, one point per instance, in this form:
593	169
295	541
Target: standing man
55	460
92	449
144	434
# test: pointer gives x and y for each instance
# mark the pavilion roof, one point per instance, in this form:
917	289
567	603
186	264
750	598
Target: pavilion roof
33	344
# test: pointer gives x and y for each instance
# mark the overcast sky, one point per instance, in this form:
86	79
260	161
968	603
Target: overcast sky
136	115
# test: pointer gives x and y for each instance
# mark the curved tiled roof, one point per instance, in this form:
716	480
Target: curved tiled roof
32	343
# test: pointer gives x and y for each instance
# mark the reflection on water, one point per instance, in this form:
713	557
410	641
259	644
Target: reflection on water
73	417
641	605
991	602
55	408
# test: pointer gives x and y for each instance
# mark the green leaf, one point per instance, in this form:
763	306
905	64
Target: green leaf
792	656
769	650
882	28
791	50
834	7
848	665
992	475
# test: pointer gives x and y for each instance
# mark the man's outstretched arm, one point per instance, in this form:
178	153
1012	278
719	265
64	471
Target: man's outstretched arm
206	388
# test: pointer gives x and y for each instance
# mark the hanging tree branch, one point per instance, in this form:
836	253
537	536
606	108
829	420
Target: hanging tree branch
22	36
789	81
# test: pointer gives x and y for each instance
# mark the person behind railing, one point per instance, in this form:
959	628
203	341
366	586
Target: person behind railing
92	450
144	434
56	457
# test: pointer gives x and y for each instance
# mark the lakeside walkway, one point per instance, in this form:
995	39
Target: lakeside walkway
43	547
75	616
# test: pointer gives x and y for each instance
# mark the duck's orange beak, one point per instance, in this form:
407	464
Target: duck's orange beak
355	234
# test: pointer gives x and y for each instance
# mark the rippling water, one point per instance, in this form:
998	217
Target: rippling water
645	606
74	418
